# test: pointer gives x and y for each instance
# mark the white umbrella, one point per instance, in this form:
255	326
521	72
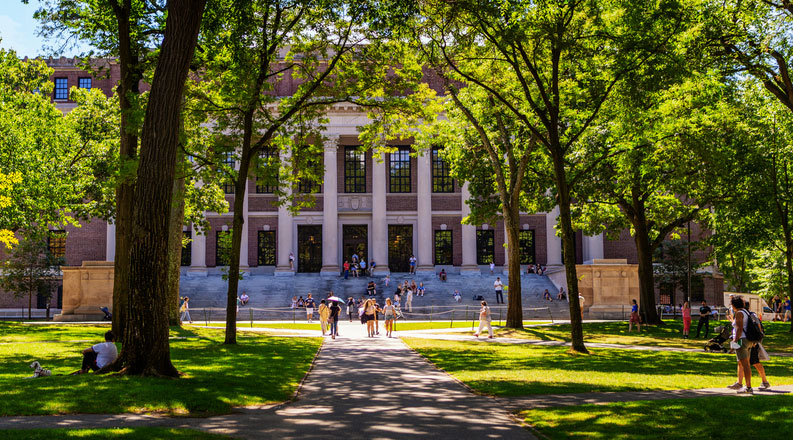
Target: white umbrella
334	298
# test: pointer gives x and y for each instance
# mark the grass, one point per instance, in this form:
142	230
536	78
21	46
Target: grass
514	370
409	325
18	332
260	369
100	434
778	338
724	417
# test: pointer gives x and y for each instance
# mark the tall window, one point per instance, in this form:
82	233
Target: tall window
399	171
187	250
313	163
267	180
228	184
354	170
61	88
442	182
84	83
526	239
265	248
222	248
485	244
56	242
443	247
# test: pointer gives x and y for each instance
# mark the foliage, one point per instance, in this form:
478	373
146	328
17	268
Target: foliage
672	268
212	383
31	268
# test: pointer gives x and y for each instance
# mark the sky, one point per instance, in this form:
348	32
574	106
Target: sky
19	31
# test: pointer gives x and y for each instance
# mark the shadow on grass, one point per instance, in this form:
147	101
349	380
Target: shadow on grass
727	417
258	370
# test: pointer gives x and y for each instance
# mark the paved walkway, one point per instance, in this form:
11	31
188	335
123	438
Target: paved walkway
359	388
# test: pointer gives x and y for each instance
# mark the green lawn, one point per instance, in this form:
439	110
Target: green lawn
778	338
19	332
260	369
725	417
100	434
513	370
409	325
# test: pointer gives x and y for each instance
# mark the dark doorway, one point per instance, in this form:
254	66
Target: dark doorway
355	240
309	248
400	247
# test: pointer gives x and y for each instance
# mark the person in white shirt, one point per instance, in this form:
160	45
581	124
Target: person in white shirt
492	268
484	320
499	286
99	355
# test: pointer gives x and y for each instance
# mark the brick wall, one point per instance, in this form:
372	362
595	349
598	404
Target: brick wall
401	202
262	202
446	202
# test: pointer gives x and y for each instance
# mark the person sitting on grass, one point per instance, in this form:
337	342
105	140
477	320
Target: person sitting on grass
99	355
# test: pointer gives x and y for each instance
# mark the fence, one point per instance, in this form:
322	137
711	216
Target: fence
429	313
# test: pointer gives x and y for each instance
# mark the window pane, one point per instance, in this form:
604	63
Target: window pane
266	248
443	247
187	250
354	170
526	239
222	248
442	182
267	179
84	83
399	171
56	242
485	244
228	160
316	168
61	88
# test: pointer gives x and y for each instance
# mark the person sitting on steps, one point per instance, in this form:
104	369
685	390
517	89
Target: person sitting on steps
442	275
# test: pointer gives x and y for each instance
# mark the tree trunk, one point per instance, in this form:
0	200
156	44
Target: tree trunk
175	246
128	151
568	243
515	306
644	252
147	350
236	244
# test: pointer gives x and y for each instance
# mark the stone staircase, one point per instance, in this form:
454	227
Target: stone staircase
270	296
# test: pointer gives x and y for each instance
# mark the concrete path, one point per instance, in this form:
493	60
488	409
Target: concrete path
358	388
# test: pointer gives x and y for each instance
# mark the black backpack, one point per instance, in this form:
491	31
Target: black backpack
754	328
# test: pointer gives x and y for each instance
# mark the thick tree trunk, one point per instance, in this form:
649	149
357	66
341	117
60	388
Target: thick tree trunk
146	350
515	306
175	247
128	151
644	252
568	244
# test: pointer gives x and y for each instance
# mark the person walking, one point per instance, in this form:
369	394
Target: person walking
389	313
185	309
409	299
741	344
324	314
309	307
369	310
351	307
634	317
686	311
492	268
786	306
346	267
704	319
484	320
754	361
387	280
291	261
499	287
412	262
334	310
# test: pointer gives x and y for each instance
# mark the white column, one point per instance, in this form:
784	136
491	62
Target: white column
469	266
424	252
110	246
330	210
553	243
198	254
592	247
379	223
244	241
284	236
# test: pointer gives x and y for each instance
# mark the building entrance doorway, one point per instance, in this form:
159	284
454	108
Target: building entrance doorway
400	247
309	248
355	240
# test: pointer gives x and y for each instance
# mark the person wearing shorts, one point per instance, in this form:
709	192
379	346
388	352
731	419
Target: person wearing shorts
635	317
742	345
412	264
309	308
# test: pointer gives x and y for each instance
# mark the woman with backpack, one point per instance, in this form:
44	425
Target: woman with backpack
741	344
